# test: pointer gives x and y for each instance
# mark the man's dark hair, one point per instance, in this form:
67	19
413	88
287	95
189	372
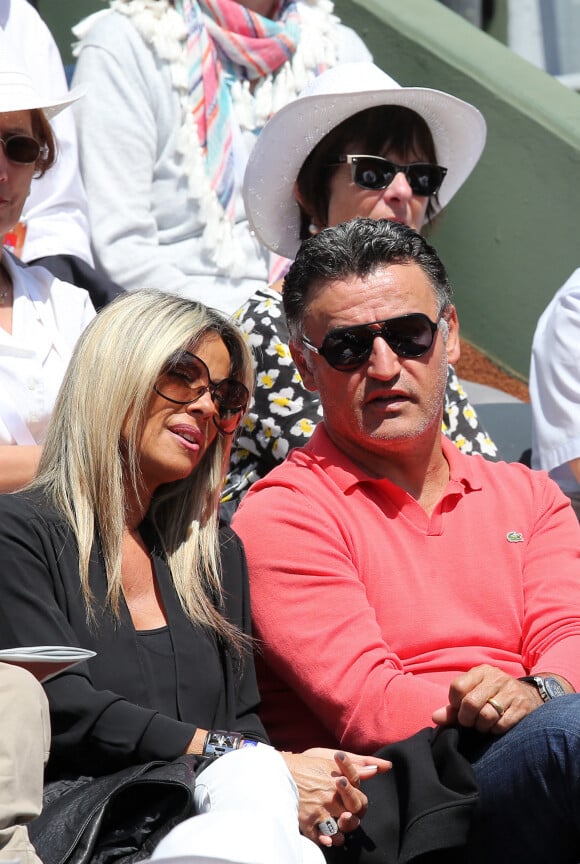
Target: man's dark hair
358	248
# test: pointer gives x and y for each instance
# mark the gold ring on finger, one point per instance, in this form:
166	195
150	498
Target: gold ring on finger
495	704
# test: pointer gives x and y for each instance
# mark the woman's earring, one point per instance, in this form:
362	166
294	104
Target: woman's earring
313	229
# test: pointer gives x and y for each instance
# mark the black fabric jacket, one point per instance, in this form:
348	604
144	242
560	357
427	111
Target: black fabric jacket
101	715
421	810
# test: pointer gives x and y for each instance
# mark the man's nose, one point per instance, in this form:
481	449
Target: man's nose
383	362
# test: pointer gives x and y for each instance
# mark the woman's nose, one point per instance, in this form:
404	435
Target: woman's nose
204	405
399	188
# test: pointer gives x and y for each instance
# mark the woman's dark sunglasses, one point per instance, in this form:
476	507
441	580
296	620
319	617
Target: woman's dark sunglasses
347	348
374	172
21	149
186	378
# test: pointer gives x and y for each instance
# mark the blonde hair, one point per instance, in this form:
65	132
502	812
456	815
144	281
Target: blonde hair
87	461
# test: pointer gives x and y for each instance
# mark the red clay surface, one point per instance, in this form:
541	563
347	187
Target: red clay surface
475	366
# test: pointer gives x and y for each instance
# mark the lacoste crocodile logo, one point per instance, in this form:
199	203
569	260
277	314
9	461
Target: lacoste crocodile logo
514	537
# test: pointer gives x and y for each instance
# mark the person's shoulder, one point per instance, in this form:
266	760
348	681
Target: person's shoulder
228	538
40	281
105	29
566	302
109	34
234	575
572	284
68	293
293	486
476	467
287	472
231	548
24	17
113	42
324	27
350	47
28	506
512	481
42	286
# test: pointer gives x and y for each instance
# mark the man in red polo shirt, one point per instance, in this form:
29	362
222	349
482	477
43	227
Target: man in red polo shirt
403	584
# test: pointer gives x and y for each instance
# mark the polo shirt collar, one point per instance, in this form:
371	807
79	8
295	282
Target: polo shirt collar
463	469
464	475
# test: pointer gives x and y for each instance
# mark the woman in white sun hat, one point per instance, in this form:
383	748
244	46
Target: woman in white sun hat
40	316
306	172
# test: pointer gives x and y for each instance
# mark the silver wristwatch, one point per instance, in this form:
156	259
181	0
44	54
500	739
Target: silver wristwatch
218	742
548	688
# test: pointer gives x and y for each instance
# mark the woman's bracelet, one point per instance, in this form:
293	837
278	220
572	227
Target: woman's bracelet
217	742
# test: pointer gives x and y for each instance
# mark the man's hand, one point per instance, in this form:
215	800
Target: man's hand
328	784
488	700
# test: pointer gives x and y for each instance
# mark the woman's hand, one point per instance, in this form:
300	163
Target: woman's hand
328	783
352	765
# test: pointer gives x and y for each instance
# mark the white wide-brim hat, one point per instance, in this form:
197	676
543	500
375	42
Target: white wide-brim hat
18	93
458	130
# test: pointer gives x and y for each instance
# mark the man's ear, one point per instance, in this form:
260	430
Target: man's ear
299	355
453	346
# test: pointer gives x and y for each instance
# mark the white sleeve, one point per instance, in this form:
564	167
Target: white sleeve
555	379
119	140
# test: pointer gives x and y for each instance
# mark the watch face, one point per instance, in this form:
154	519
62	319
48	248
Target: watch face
553	688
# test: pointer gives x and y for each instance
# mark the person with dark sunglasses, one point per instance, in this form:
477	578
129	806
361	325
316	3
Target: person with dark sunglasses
53	230
186	378
404	584
41	316
377	173
116	545
354	144
347	348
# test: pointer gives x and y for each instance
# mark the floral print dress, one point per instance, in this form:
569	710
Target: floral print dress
283	414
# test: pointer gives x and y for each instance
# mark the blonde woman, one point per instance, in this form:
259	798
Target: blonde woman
115	547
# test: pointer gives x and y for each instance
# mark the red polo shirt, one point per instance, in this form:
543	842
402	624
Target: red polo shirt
367	607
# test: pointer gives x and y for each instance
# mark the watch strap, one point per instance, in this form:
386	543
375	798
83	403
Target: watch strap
218	742
548	688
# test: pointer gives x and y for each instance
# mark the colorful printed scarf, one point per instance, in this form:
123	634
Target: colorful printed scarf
226	43
249	45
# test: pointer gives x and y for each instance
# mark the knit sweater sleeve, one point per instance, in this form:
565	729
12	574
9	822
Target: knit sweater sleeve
126	147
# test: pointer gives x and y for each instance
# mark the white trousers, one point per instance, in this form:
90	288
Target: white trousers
247	803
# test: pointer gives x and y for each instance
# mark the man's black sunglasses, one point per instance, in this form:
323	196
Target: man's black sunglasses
374	172
347	348
186	378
